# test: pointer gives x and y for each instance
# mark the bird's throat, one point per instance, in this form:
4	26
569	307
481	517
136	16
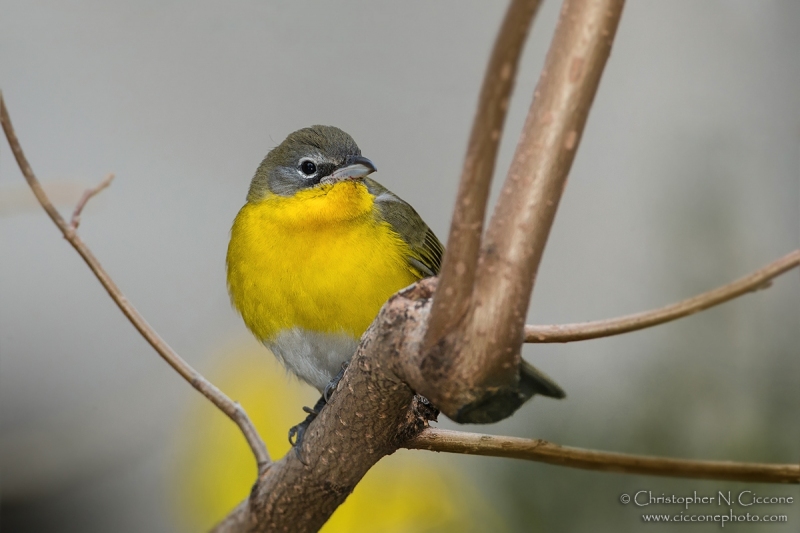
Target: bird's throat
319	260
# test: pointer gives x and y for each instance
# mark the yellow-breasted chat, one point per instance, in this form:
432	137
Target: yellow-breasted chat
318	249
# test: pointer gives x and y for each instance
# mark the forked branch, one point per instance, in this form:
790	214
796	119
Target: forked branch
517	234
205	387
481	356
442	440
463	244
760	279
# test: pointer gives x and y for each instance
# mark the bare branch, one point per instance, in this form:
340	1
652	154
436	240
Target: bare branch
236	520
463	244
525	211
87	195
760	279
368	417
483	357
442	440
206	388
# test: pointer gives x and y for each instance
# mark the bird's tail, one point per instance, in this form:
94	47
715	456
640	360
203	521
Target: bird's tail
534	381
501	403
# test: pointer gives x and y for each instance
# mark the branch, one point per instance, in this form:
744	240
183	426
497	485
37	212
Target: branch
442	440
87	195
206	388
369	416
372	413
481	360
463	244
760	279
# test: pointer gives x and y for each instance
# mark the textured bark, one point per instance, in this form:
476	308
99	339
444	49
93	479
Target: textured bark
372	414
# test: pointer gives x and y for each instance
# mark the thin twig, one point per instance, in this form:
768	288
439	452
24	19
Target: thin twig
614	326
442	440
87	195
463	244
206	388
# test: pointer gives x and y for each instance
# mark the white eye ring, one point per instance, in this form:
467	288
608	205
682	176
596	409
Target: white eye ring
308	168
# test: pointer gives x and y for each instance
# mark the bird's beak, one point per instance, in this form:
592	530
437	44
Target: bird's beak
353	169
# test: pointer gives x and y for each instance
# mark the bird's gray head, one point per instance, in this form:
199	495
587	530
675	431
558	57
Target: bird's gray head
308	158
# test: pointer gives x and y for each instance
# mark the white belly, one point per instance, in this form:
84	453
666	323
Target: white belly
314	357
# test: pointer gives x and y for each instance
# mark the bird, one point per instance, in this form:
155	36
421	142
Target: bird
316	251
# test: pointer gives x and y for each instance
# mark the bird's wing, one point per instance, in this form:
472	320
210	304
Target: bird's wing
426	249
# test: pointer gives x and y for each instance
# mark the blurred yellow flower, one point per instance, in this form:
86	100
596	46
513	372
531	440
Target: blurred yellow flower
214	469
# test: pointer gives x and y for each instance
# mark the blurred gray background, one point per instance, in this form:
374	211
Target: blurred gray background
688	176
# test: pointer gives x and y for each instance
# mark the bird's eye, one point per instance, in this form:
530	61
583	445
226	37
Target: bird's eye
308	167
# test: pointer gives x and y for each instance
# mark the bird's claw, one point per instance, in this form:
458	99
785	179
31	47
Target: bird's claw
296	433
330	388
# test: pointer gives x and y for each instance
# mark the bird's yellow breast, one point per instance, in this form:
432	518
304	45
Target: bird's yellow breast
319	260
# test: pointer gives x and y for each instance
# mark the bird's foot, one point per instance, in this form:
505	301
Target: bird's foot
330	388
423	408
296	433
